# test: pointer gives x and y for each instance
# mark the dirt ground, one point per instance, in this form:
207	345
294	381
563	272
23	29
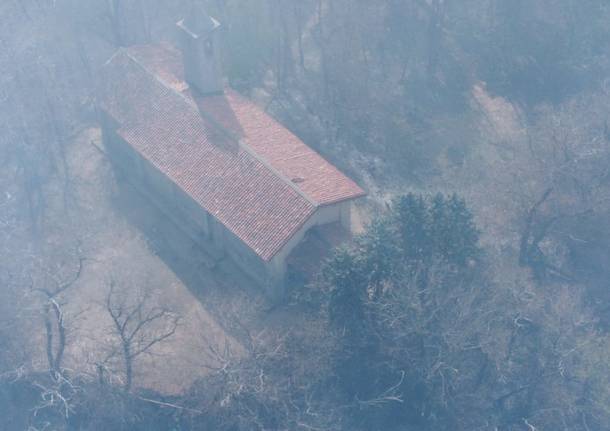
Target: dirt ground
115	249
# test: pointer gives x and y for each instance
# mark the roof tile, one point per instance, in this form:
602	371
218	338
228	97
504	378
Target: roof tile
192	141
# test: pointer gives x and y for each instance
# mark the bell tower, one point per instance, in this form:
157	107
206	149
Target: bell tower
200	51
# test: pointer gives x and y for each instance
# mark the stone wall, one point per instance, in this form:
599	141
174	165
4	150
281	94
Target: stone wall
197	223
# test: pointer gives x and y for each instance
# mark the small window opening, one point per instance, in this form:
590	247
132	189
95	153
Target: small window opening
209	47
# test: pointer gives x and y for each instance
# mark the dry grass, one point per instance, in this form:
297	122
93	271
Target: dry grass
116	250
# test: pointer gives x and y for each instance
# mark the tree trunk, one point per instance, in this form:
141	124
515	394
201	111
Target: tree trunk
128	365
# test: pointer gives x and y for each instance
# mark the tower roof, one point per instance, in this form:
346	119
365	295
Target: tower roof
198	22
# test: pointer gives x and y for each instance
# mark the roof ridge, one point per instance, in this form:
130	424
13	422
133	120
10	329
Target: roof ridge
294	156
159	80
277	173
241	142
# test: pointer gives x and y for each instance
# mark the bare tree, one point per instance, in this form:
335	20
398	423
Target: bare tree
565	157
56	390
138	326
129	21
274	383
54	320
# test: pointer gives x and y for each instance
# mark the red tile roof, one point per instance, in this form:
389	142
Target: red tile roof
193	141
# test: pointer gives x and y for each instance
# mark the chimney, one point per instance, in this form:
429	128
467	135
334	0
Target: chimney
200	51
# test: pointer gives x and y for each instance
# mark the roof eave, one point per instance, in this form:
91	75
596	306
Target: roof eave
361	194
353	197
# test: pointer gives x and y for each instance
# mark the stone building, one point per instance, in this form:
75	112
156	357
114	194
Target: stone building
224	170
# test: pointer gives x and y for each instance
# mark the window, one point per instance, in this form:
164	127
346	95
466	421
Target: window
209	47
